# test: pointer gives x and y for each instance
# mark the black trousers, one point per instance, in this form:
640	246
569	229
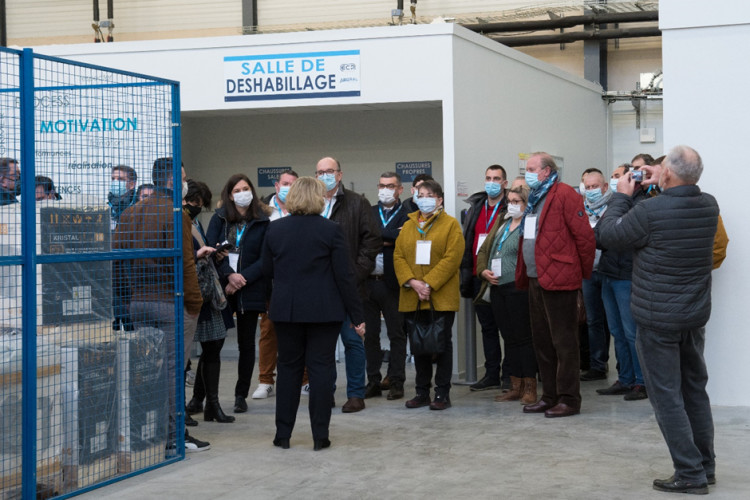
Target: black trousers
246	324
444	368
210	353
511	309
383	299
312	345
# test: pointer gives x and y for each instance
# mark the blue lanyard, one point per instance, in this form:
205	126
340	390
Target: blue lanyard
328	209
488	223
276	202
505	235
593	211
239	235
382	217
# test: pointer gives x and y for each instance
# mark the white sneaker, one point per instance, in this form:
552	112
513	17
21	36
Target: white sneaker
305	390
263	391
190	378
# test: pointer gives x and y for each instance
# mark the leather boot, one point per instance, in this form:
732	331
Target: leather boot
529	391
199	392
213	410
515	392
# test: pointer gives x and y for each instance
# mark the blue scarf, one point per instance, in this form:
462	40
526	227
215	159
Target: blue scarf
536	195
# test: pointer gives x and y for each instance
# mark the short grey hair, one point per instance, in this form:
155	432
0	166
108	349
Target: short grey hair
547	160
686	164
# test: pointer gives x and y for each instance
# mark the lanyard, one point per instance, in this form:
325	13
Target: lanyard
488	223
594	211
276	202
388	221
240	233
505	235
328	209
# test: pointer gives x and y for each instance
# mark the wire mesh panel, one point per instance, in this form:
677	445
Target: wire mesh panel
91	275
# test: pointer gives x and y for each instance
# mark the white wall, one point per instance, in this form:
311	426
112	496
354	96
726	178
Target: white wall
704	107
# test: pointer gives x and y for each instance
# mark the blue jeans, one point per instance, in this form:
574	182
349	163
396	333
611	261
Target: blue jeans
354	354
616	298
676	378
595	320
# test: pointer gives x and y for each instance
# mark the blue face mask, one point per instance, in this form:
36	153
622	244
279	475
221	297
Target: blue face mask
283	191
329	180
532	179
427	205
118	188
613	185
593	195
493	189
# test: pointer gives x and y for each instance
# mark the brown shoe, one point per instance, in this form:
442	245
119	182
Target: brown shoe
418	401
529	391
515	392
440	402
539	407
561	410
353	405
385	384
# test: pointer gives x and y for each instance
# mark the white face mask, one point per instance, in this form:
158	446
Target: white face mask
385	196
184	189
515	211
243	198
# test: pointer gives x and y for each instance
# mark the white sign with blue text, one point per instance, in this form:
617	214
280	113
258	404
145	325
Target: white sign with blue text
292	76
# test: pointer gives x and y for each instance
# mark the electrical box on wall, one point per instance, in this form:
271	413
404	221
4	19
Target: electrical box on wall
648	135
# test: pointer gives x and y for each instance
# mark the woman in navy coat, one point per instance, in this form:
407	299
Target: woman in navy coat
241	224
314	289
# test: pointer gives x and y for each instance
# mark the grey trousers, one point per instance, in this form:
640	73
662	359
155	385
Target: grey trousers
675	374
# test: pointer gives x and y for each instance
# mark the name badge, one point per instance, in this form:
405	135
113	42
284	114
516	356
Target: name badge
497	267
529	227
234	258
480	241
423	252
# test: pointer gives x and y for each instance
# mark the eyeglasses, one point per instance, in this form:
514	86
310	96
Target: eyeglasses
387	186
329	171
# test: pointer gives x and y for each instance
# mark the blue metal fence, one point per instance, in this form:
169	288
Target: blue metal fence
90	376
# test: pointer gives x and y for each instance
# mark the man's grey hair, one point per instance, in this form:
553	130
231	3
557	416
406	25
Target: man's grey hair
686	164
547	160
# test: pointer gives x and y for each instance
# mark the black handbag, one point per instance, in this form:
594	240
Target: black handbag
426	332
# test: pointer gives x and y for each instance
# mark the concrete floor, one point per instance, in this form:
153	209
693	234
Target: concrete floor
478	448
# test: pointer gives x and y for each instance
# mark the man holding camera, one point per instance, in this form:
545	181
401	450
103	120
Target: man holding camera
672	237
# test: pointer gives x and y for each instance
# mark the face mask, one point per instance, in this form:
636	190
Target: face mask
582	188
427	205
118	188
532	179
613	185
192	211
283	191
184	189
243	198
515	211
329	180
593	195
493	189
386	196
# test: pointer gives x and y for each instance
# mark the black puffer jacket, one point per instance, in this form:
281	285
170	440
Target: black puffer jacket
354	214
672	237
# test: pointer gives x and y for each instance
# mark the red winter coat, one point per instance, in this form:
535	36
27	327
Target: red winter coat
565	244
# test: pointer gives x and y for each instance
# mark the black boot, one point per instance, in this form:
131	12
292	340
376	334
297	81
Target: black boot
199	392
213	410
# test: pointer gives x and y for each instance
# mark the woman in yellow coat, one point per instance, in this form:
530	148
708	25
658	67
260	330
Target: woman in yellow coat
426	259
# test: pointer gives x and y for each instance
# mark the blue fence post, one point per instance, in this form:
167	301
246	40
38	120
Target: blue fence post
178	282
28	288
